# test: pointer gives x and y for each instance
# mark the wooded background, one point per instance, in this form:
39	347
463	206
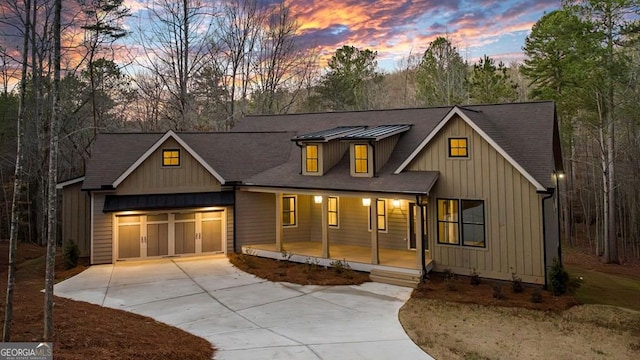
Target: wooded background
201	66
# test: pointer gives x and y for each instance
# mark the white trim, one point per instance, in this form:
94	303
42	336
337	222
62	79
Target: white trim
456	111
91	205
69	182
155	147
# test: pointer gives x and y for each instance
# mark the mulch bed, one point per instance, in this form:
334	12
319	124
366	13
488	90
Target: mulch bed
83	330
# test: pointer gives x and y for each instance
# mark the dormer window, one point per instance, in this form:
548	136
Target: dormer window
361	159
458	148
312	158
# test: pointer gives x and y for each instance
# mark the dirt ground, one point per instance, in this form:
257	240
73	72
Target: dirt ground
86	331
303	274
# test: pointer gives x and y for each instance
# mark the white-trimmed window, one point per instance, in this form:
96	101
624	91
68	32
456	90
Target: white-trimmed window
289	210
381	214
332	211
361	158
311	154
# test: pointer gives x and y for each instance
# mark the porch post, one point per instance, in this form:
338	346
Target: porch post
325	229
279	222
373	214
419	236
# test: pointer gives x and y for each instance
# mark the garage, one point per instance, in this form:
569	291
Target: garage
175	233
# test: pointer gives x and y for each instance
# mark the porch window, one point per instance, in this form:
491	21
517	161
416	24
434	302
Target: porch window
312	158
361	160
468	225
381	211
332	211
458	147
289	210
171	157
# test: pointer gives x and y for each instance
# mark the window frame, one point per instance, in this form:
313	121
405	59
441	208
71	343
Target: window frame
461	222
383	215
357	159
294	211
336	211
164	158
316	159
465	147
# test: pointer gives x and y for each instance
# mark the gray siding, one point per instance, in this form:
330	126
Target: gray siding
76	225
102	232
151	177
333	152
301	231
513	224
256	220
383	149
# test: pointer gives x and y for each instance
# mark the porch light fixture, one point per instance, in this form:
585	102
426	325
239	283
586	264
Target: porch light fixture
366	202
396	203
317	199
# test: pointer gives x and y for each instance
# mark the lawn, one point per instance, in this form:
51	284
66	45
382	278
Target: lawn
86	331
604	288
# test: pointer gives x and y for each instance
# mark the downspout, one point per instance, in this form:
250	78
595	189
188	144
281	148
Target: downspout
424	263
234	218
301	159
373	150
558	218
549	195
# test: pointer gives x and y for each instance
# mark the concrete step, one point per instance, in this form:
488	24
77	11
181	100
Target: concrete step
395	278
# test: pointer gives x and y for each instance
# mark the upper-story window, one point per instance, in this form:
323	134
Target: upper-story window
171	157
458	147
312	158
361	158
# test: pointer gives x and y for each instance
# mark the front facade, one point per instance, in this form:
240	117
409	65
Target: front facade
468	189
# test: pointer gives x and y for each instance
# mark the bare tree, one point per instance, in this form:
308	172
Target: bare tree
18	180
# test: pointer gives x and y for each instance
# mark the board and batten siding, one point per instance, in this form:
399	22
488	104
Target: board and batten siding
102	232
333	152
76	226
384	149
151	177
255	218
513	211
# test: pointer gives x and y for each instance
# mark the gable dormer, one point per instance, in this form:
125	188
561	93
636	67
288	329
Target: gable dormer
320	151
370	148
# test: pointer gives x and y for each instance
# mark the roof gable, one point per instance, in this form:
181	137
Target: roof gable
469	116
155	146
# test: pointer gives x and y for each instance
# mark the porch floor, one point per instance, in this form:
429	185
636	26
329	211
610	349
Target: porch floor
362	254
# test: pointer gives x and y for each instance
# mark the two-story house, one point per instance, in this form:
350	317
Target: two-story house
390	192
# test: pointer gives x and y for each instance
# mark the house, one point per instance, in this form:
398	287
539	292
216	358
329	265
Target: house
393	192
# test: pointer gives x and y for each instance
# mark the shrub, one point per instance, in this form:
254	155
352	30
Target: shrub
475	278
340	266
71	255
536	296
497	292
558	278
516	283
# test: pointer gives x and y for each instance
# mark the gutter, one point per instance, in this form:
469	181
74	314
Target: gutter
549	195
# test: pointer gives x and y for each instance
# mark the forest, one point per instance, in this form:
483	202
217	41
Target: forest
201	65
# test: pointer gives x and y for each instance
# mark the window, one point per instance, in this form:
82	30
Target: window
171	157
467	225
381	213
458	147
312	158
361	161
288	210
332	211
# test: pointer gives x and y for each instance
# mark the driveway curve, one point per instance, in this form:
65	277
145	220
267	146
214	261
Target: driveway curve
246	317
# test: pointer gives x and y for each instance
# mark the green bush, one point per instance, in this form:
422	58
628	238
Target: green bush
475	278
558	278
71	255
516	283
536	296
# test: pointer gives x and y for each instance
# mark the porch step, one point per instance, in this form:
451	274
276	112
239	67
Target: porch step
395	278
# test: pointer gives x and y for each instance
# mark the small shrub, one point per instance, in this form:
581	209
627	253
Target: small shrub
475	278
340	266
536	296
447	274
286	255
71	255
516	284
313	265
497	292
558	278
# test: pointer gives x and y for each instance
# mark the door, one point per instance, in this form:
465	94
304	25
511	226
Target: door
185	233
157	238
129	237
211	231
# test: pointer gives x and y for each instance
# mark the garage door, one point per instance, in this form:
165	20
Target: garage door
169	234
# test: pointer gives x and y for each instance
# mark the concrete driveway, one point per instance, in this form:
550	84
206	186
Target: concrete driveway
246	317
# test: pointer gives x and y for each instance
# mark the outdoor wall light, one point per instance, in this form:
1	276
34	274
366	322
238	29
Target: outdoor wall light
396	203
366	202
317	199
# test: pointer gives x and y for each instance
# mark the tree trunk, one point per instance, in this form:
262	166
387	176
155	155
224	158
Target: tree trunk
53	179
17	183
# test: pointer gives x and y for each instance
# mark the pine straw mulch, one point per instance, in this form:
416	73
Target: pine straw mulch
87	331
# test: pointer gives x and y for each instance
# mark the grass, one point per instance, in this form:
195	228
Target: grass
608	289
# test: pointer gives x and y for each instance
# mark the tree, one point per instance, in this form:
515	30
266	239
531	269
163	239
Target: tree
441	75
489	83
343	87
18	179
